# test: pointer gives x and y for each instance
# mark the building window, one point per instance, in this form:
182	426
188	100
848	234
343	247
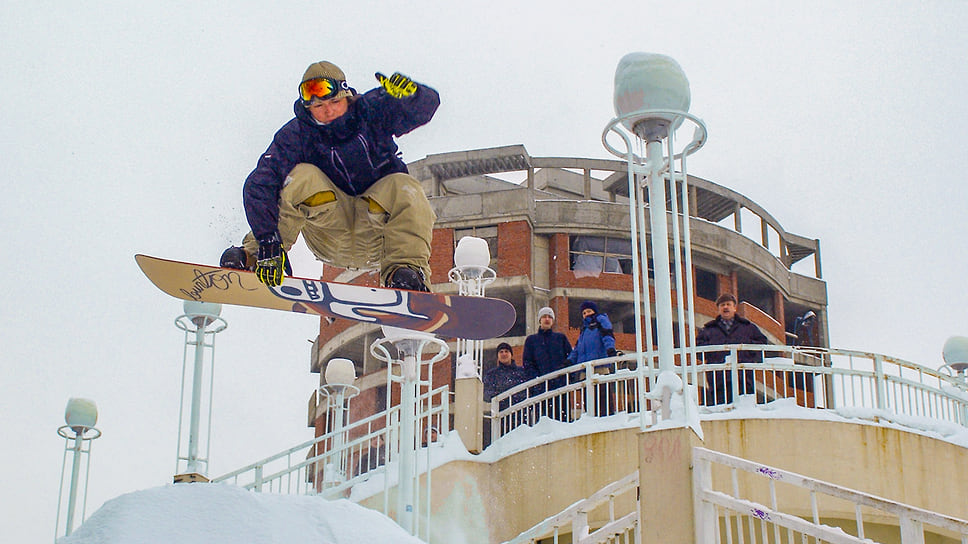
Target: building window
706	284
594	255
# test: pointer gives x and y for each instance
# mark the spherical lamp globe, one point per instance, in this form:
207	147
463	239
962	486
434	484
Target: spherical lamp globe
80	414
340	371
650	81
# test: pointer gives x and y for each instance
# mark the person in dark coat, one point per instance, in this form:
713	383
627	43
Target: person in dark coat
333	175
505	375
545	352
729	328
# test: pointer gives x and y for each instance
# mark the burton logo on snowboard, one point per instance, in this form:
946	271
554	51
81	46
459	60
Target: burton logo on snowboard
474	318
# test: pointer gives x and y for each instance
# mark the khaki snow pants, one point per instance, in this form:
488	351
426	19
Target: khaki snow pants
389	225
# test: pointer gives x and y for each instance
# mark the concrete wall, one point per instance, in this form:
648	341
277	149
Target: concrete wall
495	502
893	464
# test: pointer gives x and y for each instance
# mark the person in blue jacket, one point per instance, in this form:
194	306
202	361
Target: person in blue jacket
333	174
597	339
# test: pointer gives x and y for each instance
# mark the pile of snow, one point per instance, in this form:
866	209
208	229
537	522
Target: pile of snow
217	513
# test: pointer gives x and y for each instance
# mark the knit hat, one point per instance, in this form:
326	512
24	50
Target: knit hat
546	311
504	345
589	304
725	297
330	70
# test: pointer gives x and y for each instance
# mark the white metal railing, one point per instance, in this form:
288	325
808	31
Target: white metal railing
752	512
368	446
607	503
866	384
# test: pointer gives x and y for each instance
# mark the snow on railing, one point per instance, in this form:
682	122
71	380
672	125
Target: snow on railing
367	447
852	383
600	508
752	512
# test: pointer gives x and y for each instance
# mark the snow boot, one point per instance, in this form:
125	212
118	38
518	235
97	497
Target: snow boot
234	257
407	278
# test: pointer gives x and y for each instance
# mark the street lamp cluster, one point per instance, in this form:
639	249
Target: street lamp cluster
651	100
337	391
80	416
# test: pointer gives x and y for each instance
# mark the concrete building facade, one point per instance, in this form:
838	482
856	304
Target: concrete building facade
558	233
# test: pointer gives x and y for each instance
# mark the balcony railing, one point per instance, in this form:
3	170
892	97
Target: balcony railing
853	383
367	446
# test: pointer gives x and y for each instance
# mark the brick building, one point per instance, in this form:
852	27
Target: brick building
558	232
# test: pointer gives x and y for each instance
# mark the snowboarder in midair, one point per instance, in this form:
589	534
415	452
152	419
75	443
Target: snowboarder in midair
333	174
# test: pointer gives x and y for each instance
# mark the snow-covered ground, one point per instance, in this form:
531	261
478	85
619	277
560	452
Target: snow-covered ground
217	513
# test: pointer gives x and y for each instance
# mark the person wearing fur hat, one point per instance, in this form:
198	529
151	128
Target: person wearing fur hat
729	328
505	375
333	174
597	339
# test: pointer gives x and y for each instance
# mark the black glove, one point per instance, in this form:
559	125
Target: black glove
611	352
272	261
397	85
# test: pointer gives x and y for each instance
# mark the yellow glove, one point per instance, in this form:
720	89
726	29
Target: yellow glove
272	262
397	85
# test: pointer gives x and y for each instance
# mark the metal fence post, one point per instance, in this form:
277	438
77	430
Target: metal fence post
702	480
495	420
880	385
734	374
912	531
257	484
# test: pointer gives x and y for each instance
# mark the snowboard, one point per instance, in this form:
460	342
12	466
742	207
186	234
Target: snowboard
472	318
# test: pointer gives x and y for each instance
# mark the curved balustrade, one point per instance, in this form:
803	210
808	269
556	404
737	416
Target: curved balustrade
367	447
853	383
850	382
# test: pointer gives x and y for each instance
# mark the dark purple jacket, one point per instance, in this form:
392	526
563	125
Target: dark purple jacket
354	151
503	377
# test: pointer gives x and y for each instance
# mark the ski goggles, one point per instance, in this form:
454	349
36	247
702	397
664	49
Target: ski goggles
323	88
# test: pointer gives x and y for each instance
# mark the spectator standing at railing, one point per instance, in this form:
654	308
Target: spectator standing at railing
545	352
729	328
505	375
597	339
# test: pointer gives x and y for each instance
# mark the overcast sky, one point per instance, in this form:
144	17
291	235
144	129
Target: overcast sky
128	128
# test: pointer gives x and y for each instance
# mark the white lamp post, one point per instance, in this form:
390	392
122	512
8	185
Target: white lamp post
80	416
410	347
472	275
338	390
651	100
955	354
201	322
